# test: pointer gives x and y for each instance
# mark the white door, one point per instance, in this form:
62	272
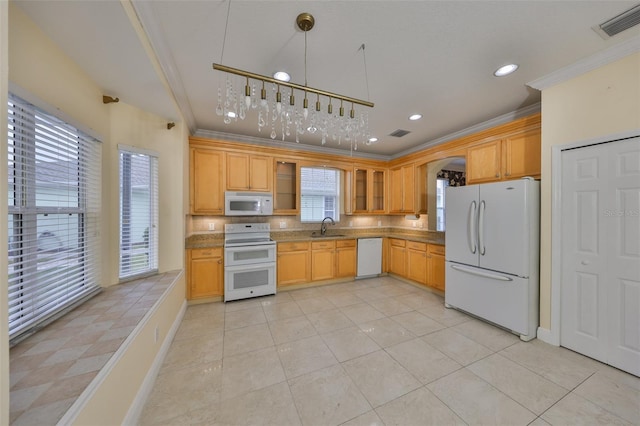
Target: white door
600	290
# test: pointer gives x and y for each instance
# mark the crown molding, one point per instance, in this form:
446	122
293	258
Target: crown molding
590	63
232	137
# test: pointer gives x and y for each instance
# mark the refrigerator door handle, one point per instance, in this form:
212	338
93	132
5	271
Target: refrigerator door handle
481	273
481	228
471	229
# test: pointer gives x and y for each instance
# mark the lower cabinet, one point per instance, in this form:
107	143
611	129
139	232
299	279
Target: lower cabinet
323	260
397	256
346	258
205	269
417	262
294	263
435	266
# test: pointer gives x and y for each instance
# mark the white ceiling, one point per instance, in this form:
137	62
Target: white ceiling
431	57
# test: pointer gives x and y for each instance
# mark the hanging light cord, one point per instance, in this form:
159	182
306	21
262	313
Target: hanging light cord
226	25
366	74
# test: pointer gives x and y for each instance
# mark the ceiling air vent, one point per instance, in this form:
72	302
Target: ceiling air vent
399	133
622	22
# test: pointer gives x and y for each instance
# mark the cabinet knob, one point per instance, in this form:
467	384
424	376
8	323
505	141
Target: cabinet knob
219	261
497	175
507	174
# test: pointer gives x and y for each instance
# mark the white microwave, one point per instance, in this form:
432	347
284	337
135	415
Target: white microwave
248	203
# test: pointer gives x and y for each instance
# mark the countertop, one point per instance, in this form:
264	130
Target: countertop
430	237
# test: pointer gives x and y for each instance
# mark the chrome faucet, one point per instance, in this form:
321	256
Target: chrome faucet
323	227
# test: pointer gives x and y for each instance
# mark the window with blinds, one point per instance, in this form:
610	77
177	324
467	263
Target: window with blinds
54	216
319	194
138	213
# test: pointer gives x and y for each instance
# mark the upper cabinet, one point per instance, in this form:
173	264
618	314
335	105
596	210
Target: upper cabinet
402	189
369	190
287	188
206	189
246	172
511	157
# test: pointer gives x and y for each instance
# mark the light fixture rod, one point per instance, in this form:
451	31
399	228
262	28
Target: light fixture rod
289	84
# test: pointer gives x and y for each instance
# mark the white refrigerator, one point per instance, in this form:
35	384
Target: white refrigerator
492	243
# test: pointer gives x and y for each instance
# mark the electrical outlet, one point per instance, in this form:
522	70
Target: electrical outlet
283	225
413	224
212	226
156	334
420	224
350	223
379	223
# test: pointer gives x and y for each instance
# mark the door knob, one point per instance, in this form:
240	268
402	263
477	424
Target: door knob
585	262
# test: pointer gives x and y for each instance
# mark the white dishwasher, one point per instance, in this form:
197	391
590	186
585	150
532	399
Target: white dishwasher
369	257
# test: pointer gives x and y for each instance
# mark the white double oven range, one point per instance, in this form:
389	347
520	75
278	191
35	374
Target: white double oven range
249	261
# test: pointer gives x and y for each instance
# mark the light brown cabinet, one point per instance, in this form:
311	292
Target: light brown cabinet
323	260
402	189
435	266
206	189
507	158
205	270
417	262
397	256
294	263
287	188
246	172
369	191
346	258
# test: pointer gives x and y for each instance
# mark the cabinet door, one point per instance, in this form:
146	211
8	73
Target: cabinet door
205	276
417	262
286	188
322	264
395	193
293	268
360	191
237	172
435	266
409	189
521	155
378	186
397	259
260	173
483	162
206	189
346	258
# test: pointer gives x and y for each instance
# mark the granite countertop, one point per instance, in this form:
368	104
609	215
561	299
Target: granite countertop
430	237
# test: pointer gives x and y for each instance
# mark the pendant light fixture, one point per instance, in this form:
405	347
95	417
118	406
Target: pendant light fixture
352	128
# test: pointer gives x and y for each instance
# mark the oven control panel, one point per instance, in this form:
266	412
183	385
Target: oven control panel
238	228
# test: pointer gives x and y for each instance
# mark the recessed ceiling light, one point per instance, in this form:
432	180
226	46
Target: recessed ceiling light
505	70
231	114
373	140
415	117
282	76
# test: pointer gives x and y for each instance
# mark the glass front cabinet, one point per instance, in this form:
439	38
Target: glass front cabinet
369	191
287	188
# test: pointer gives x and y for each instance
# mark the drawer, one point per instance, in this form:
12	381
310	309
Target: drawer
413	245
293	246
345	243
202	253
396	242
323	245
436	249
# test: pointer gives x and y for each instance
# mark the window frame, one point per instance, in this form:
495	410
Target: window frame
336	197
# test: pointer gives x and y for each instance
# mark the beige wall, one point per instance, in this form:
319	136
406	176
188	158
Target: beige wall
42	74
599	103
4	337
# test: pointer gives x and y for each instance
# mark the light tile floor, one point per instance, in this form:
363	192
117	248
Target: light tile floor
373	352
50	369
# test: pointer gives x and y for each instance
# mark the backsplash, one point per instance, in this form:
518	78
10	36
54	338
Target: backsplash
200	224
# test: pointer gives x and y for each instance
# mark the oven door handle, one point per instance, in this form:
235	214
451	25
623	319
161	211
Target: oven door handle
250	267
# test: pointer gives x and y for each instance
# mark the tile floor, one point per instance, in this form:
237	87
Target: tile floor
50	369
373	352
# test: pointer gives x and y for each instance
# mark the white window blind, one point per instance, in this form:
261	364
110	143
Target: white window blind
54	215
319	194
138	213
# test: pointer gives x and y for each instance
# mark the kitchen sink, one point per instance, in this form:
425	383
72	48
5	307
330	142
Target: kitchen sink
327	236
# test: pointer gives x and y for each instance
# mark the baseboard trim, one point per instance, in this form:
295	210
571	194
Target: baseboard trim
133	415
548	336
